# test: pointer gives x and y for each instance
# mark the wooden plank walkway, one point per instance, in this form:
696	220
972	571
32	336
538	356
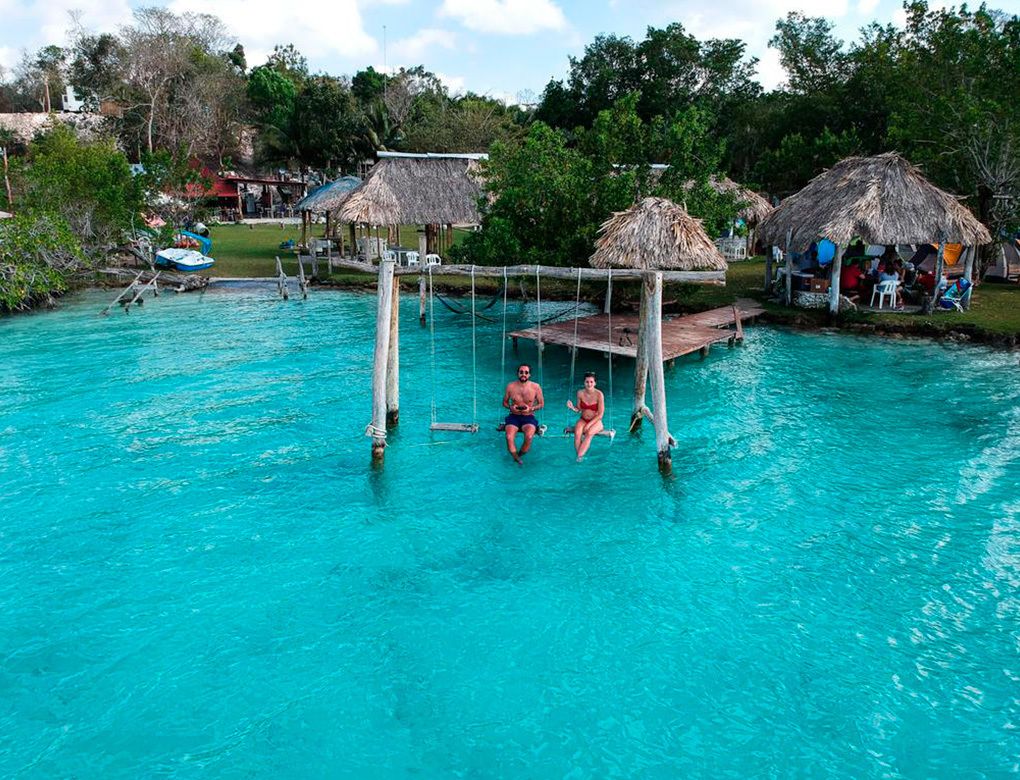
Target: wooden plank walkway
680	336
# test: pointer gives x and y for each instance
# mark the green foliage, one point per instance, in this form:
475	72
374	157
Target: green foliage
38	254
550	201
368	85
327	124
88	184
799	159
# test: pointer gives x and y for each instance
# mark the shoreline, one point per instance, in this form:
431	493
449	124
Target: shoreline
804	320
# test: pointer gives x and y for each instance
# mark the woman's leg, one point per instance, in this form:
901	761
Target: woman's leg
590	430
578	433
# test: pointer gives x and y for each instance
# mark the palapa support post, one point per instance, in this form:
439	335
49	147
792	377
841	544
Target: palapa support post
383	325
641	358
421	299
837	268
653	339
353	235
789	268
940	266
968	273
768	273
393	360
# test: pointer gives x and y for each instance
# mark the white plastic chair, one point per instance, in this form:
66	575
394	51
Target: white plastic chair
389	255
412	259
882	289
431	259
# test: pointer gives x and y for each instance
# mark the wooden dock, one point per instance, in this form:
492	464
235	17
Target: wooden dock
680	335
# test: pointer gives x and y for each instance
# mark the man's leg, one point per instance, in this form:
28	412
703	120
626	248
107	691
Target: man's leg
529	434
511	443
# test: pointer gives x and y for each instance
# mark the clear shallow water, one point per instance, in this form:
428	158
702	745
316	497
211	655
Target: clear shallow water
200	576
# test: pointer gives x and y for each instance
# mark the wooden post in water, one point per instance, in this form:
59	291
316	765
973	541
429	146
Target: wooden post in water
789	269
384	304
837	270
393	361
609	295
641	360
653	342
421	296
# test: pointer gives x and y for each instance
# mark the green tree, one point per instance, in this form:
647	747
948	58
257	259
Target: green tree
38	257
327	124
88	185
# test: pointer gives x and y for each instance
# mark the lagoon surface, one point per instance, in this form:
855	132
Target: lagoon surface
201	576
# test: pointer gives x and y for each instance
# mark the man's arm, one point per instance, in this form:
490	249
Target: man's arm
539	399
506	397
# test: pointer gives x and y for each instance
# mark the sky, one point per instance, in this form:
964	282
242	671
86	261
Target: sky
504	48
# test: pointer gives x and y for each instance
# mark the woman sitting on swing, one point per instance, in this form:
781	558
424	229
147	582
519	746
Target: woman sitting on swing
591	405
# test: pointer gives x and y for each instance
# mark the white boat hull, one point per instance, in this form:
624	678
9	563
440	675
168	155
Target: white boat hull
183	259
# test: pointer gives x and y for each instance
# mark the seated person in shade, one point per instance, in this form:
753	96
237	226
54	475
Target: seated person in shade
850	280
889	275
855	251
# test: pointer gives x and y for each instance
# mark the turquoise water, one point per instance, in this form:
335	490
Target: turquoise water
200	575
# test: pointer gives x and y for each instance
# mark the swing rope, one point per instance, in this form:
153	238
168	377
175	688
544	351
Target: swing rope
474	357
502	352
432	331
577	312
609	312
538	299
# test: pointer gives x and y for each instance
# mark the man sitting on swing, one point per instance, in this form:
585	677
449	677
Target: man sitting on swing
523	398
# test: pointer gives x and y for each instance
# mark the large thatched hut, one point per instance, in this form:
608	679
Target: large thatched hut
433	190
882	200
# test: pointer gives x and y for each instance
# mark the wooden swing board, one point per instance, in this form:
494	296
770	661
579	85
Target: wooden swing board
455	427
609	433
540	432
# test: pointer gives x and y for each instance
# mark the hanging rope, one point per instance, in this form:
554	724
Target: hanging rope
432	330
573	351
474	357
609	312
538	299
502	351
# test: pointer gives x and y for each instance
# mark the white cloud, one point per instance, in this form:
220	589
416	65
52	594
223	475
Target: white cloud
416	48
454	84
770	70
866	6
328	30
507	17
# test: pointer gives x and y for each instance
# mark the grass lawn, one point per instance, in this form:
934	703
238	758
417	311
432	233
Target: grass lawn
251	250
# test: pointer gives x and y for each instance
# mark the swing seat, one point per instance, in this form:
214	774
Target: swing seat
455	427
540	432
609	433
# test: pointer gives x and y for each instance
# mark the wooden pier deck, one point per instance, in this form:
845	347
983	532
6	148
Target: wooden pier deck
680	335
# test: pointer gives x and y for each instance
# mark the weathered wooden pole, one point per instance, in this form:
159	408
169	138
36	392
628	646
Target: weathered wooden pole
789	268
940	261
968	273
768	273
353	235
383	326
653	339
393	361
837	270
609	295
641	360
421	297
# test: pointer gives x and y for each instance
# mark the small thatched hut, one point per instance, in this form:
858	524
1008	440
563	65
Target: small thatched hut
324	200
656	235
755	207
417	189
882	200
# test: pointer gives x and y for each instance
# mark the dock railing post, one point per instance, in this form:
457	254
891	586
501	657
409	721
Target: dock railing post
653	336
393	361
641	359
384	302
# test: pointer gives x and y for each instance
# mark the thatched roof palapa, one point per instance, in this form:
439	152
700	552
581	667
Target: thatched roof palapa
755	207
656	235
416	190
882	199
328	197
